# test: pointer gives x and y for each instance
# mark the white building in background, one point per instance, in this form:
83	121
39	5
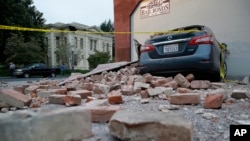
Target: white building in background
80	40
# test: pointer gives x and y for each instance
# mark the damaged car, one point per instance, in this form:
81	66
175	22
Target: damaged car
191	49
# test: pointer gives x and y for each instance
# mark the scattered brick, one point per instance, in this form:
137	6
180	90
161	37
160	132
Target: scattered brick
72	86
19	88
140	78
200	84
115	86
115	97
213	101
155	83
219	91
14	98
97	102
72	100
141	85
90	98
218	85
127	90
97	77
33	95
190	77
56	99
87	86
103	113
43	86
45	93
154	91
168	91
239	94
183	90
31	88
131	80
62	91
173	84
164	80
144	94
99	88
181	99
182	81
83	93
148	77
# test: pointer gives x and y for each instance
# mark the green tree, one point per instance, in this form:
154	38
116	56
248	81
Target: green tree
24	14
98	58
63	55
108	26
21	52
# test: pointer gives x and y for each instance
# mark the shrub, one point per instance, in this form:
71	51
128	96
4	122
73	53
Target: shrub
98	58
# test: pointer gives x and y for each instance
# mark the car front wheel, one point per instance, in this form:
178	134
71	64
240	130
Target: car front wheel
26	75
53	74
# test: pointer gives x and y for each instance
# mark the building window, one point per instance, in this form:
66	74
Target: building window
103	47
75	59
93	44
75	41
81	43
65	41
57	41
107	47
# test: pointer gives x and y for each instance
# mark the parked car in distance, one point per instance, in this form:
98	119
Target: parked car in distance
192	49
37	69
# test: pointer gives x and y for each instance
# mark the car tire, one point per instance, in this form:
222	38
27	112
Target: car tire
26	75
53	74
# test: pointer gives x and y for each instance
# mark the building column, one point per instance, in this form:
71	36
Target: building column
52	49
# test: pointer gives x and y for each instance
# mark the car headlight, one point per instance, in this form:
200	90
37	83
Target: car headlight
19	70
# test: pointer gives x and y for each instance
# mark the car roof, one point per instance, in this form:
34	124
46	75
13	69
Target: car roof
185	29
191	27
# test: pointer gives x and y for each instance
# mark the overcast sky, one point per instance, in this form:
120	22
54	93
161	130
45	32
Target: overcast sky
88	12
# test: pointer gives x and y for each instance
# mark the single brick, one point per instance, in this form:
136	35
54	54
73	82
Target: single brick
103	113
72	100
115	97
83	93
188	98
200	84
56	99
213	101
182	81
14	98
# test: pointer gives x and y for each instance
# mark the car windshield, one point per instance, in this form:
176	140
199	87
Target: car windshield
30	65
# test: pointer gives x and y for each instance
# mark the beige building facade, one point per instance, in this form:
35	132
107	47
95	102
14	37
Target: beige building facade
79	42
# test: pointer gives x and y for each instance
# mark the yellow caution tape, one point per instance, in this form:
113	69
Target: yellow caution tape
5	27
223	49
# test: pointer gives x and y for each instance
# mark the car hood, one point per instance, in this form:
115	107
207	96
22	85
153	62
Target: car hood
22	69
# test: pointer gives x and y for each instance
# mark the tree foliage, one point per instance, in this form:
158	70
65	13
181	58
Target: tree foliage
98	58
107	26
24	14
21	52
63	54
